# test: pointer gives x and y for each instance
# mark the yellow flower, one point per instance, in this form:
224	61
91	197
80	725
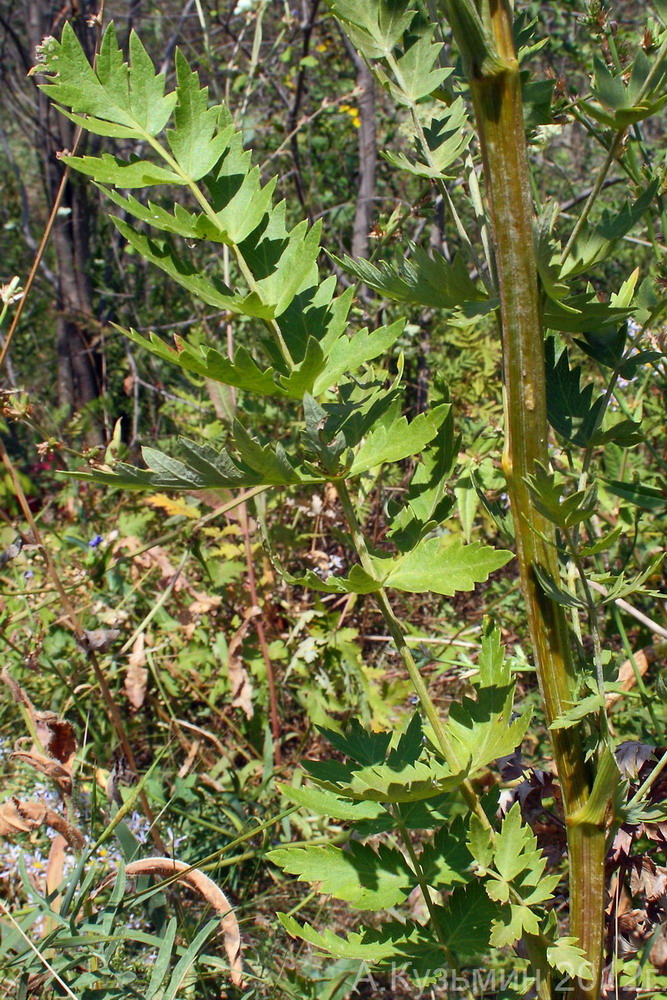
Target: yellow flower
352	112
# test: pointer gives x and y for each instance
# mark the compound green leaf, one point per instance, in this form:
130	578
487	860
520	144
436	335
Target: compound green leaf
465	921
368	945
512	923
386	783
639	494
590	705
181	222
358	581
238	199
447	860
324	803
572	411
447	138
162	253
397	440
482	729
364	746
193	140
243	372
422	279
107	169
567	957
132	97
416	76
349	353
359	875
374	26
440	566
565	511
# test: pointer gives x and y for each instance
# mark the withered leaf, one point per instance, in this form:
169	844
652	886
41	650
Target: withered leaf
11	551
238	676
62	743
23	817
11	821
136	676
631	755
627	678
179	871
658	956
45	765
99	640
647	878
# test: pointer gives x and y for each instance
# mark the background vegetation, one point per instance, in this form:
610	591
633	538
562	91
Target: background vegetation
199	675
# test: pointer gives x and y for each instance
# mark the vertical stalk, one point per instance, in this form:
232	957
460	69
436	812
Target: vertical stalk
495	85
396	631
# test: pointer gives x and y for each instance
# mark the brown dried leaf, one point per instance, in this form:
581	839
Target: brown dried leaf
203	603
51	768
633	929
55	866
215	498
23	817
56	736
11	821
136	677
238	676
153	557
61	742
631	755
11	552
626	674
658	955
647	878
99	640
179	871
17	693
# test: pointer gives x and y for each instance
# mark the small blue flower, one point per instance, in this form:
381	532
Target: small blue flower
94	542
28	575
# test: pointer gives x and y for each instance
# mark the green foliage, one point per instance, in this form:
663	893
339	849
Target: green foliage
483	730
517	879
326	408
370	880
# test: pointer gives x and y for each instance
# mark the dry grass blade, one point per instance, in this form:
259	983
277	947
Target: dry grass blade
179	871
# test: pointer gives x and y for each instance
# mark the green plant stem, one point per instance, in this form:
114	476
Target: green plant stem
423	885
647	701
612	153
398	635
210	214
428	156
653	776
499	115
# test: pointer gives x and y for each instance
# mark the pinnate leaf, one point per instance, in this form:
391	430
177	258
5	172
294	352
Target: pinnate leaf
129	96
135	173
193	141
324	803
397	440
447	861
368	945
359	875
440	566
482	729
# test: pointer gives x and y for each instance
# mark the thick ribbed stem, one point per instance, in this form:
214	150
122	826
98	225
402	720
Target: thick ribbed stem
496	94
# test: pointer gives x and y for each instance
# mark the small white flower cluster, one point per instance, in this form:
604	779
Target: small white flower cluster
244	6
35	862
